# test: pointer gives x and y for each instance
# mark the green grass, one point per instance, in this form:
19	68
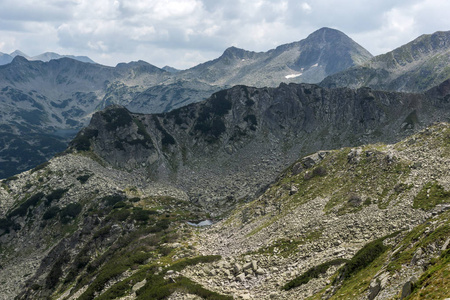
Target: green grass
431	195
435	282
417	238
314	272
363	258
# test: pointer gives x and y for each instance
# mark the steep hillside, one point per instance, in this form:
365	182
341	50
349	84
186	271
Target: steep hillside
324	52
416	66
213	149
359	223
372	220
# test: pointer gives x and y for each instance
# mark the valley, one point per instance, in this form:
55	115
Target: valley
332	184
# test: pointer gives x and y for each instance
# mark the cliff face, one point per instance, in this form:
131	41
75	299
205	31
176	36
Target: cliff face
250	134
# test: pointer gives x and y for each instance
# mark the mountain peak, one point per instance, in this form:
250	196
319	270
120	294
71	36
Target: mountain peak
18	53
234	52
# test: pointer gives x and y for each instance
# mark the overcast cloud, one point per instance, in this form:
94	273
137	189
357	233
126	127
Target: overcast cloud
183	33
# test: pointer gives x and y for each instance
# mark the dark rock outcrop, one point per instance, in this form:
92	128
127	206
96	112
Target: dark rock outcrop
251	134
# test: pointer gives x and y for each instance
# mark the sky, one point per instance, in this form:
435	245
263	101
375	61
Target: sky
184	33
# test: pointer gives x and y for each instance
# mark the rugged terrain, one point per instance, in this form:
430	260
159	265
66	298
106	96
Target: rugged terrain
213	149
324	52
44	103
414	67
369	221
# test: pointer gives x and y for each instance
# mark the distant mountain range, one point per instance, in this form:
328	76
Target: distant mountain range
44	103
364	215
47	56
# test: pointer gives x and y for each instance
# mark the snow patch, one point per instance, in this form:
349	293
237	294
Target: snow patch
292	76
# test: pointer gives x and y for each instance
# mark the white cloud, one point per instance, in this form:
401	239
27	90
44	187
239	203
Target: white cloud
306	7
183	33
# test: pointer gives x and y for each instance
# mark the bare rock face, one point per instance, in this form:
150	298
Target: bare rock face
246	134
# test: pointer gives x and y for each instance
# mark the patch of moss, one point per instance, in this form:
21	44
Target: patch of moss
431	195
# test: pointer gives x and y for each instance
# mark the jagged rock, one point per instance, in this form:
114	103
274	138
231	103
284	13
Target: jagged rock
408	287
417	255
260	271
237	268
374	289
254	265
293	190
445	245
240	277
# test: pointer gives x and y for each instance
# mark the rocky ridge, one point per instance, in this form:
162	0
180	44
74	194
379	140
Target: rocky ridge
212	150
45	103
414	67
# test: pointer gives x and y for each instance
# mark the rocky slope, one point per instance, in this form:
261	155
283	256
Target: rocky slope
75	228
324	52
213	149
416	66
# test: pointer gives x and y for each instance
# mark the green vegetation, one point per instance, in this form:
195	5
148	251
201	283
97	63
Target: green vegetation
158	288
40	167
55	195
363	258
314	272
431	195
83	178
419	237
23	207
69	212
435	282
111	200
56	272
51	213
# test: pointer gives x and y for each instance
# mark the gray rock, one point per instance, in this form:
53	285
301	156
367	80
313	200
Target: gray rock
408	287
254	265
260	271
374	289
240	277
237	268
247	266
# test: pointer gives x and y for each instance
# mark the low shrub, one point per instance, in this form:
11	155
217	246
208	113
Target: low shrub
111	200
55	195
314	272
50	213
364	257
69	212
23	207
83	178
